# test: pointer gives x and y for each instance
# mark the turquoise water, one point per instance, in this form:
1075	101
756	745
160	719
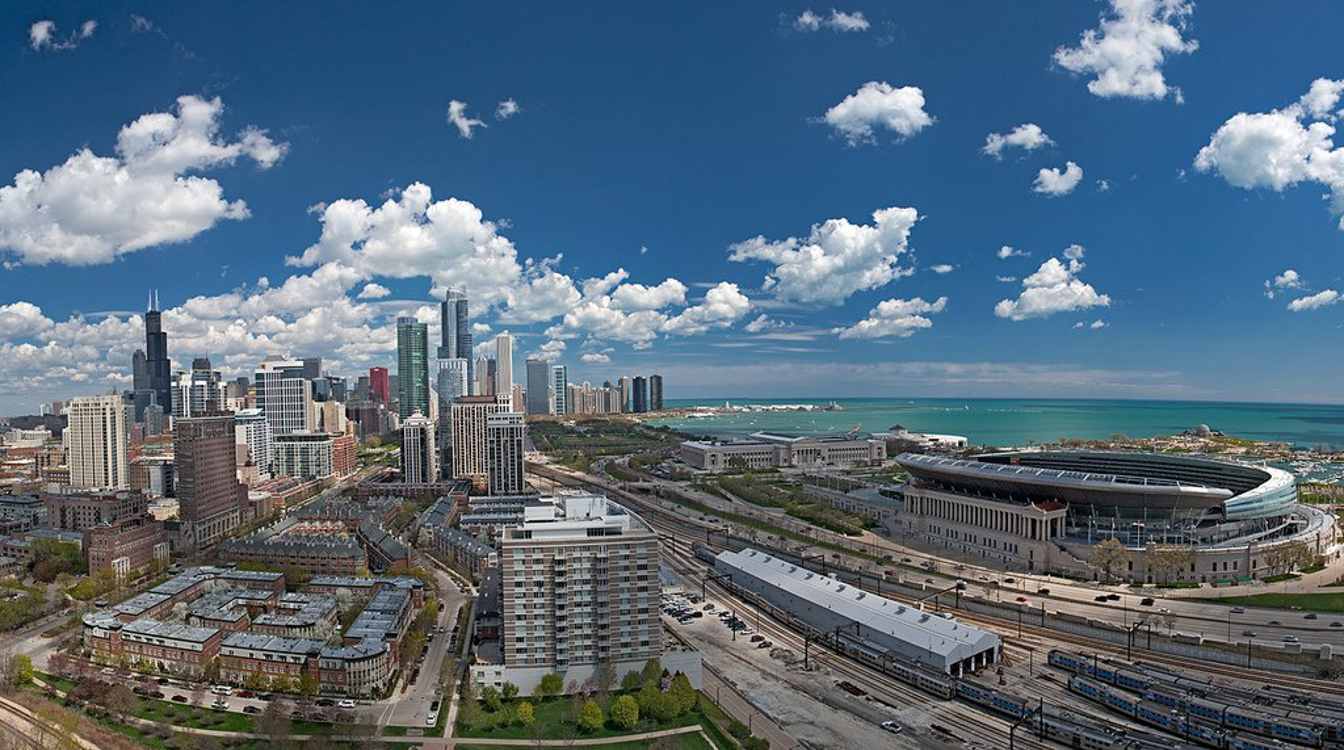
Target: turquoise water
1005	422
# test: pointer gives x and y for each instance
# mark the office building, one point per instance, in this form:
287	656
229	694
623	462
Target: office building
209	495
560	389
139	371
419	453
451	383
505	436
655	393
303	455
158	368
97	438
412	367
580	588
284	396
126	545
766	450
538	386
312	368
625	387
504	365
469	420
378	385
455	341
253	433
79	511
639	395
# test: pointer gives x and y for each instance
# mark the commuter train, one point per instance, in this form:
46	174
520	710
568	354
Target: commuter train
1166	695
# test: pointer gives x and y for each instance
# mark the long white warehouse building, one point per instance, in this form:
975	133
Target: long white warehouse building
861	618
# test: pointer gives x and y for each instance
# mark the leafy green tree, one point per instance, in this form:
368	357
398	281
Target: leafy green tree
590	716
631	681
490	698
625	712
22	670
509	691
308	685
652	672
526	714
468	709
647	697
551	685
682	696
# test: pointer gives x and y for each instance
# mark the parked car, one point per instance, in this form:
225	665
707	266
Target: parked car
892	726
345	703
757	638
1146	601
180	698
326	702
251	709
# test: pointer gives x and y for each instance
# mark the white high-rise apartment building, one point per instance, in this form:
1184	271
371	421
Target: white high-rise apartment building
306	455
505	435
470	418
419	456
97	440
504	364
284	396
252	430
560	387
580	588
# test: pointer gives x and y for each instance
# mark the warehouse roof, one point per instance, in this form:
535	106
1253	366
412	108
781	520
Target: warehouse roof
928	632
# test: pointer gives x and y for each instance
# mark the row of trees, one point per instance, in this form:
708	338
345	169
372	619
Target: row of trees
1166	562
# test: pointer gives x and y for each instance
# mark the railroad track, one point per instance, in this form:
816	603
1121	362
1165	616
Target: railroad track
677	525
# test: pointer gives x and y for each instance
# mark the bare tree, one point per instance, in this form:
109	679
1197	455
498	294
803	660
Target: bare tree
1108	555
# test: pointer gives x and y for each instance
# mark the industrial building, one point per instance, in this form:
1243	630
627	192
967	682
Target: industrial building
880	626
766	450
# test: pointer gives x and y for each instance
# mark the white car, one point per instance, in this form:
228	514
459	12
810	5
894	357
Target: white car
432	719
345	703
892	726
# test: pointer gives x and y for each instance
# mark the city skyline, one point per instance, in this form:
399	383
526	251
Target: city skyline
1085	226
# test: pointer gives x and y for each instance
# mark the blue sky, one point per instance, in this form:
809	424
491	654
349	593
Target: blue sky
661	141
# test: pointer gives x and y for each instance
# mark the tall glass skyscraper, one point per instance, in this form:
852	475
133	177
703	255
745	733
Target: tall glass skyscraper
455	331
412	367
158	369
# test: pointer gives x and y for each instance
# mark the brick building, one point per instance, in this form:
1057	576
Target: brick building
126	545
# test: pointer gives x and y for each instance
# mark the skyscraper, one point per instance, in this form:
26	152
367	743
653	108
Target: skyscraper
451	383
97	438
412	367
655	393
312	367
284	396
504	364
538	386
485	377
455	331
640	395
470	415
419	454
504	440
209	495
624	383
253	431
158	369
560	387
378	385
139	371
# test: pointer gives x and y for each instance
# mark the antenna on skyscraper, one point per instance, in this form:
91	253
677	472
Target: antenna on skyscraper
149	300
156	299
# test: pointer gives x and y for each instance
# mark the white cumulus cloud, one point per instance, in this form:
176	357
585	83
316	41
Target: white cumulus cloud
1289	279
42	35
1323	298
505	109
374	291
1028	136
876	105
899	318
1053	288
1054	183
837	21
836	259
1008	251
1125	55
1281	148
91	209
594	358
458	118
942	268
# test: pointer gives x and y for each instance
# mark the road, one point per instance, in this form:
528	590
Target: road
410	707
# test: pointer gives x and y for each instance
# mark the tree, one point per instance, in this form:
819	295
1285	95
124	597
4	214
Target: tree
273	723
551	685
683	697
1168	560
652	672
468	709
604	678
212	670
526	715
1108	555
490	699
308	685
119	700
509	691
631	681
625	712
590	716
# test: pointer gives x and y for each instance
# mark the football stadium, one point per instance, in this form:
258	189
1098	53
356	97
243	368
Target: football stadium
1043	510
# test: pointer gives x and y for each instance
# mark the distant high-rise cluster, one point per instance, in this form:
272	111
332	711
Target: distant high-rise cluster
549	391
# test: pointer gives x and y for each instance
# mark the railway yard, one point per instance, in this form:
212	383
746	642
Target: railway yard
1030	699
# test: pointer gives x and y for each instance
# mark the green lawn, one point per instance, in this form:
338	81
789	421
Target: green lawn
550	715
1311	602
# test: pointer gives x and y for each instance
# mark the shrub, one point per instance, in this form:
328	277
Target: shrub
625	712
590	716
526	716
